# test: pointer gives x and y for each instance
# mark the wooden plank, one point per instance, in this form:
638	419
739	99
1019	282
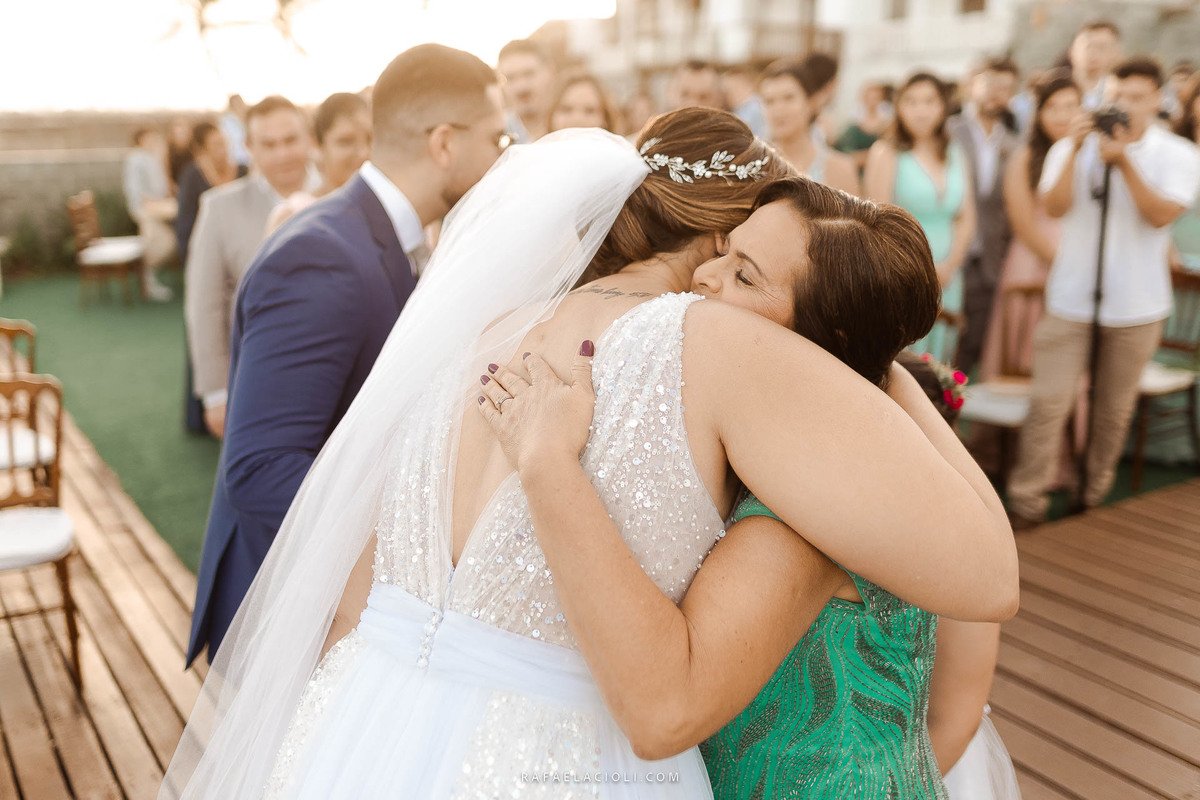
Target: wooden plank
8	781
1133	758
1081	552
1125	539
1067	587
1128	582
135	764
1153	527
31	750
1064	766
1034	788
1120	706
1181	661
1151	686
75	739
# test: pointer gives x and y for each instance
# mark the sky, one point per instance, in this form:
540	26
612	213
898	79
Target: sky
148	54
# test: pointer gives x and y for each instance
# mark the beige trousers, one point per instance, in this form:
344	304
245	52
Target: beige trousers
1060	363
158	237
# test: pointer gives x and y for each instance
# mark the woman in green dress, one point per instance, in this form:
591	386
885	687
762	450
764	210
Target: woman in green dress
919	168
841	712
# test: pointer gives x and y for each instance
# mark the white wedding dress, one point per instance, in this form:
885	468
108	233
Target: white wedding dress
466	682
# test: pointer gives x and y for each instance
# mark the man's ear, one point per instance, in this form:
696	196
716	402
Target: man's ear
439	145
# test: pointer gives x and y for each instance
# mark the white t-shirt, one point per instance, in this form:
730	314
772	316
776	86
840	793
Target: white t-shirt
1137	279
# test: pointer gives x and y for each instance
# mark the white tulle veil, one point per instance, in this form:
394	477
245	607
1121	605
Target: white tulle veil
509	252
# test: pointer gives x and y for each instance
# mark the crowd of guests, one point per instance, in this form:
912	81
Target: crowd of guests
998	170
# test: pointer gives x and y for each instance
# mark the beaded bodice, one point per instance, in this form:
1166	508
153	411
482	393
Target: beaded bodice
638	459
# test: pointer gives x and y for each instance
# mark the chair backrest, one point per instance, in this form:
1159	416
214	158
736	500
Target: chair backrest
14	356
85	221
30	404
1182	331
1017	315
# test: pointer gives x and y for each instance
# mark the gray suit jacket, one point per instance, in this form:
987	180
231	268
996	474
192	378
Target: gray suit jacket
992	231
229	229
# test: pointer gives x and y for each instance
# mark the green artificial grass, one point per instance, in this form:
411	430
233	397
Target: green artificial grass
122	369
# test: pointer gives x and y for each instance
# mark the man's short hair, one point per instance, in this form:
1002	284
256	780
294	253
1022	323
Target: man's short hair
1102	24
1140	67
1002	64
698	65
269	105
140	134
525	47
819	71
428	85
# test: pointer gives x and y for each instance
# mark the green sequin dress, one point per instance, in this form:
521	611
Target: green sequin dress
843	717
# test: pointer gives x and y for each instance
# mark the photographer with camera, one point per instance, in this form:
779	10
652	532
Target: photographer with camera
1109	306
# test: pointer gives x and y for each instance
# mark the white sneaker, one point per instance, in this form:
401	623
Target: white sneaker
157	293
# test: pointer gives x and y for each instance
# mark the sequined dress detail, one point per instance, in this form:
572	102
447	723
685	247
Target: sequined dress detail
466	682
843	718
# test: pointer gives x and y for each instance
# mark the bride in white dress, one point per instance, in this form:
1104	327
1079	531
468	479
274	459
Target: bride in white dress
460	677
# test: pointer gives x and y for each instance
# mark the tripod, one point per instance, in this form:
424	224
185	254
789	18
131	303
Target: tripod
1094	347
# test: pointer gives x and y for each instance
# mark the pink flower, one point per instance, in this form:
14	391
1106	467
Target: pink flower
926	357
960	377
948	396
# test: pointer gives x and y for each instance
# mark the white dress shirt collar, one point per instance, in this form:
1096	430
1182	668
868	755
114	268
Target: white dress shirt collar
399	210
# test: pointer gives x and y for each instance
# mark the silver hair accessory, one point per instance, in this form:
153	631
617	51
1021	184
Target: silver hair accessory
719	166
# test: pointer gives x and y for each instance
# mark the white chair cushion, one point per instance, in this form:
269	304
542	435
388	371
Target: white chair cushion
1158	379
31	536
1003	404
31	449
113	250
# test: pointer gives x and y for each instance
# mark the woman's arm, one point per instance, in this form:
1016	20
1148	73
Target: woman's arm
964	232
962	681
354	597
841	462
671	675
1019	203
879	179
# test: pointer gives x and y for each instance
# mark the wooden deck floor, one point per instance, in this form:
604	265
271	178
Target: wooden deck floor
1097	694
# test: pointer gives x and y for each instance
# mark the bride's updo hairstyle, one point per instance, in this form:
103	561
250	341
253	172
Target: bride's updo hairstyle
868	287
664	214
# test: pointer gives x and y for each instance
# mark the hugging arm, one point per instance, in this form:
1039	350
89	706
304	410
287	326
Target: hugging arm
671	675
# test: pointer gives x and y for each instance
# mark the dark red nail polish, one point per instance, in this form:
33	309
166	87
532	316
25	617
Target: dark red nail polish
492	368
481	399
484	379
587	349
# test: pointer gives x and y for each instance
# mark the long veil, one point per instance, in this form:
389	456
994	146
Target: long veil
509	252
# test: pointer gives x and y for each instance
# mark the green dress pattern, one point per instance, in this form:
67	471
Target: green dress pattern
843	718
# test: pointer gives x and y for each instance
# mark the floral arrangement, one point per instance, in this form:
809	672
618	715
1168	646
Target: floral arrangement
953	381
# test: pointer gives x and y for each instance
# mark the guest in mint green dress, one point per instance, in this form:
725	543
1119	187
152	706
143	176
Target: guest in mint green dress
918	167
1185	233
844	715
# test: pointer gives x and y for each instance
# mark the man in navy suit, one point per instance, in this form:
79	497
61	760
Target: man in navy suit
320	298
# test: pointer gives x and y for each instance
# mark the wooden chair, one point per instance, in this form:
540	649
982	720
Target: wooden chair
14	356
1003	402
1181	339
34	529
101	258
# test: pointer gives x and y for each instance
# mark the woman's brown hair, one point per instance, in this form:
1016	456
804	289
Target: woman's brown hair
869	287
1050	84
607	107
664	214
1188	123
898	133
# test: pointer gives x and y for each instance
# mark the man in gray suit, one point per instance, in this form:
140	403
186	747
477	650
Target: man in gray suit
229	229
983	131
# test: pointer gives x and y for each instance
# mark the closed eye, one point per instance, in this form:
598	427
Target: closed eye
742	279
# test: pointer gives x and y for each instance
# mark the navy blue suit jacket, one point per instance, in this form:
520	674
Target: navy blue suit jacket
312	314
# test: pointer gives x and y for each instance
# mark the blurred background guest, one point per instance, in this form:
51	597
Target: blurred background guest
151	205
1185	233
871	119
790	115
233	124
342	128
581	101
1094	52
820	71
982	131
917	167
639	110
229	228
529	75
179	149
1178	81
738	86
209	166
1035	233
696	83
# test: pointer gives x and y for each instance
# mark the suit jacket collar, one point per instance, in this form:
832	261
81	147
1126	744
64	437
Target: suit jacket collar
394	262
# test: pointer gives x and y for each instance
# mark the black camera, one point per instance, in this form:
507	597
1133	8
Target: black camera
1107	119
